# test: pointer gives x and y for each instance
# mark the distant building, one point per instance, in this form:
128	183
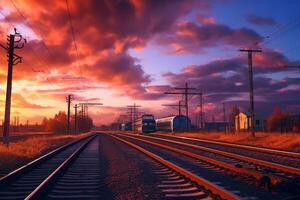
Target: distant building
216	126
243	122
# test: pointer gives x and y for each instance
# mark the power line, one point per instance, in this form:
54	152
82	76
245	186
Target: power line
186	93
284	29
40	59
293	48
27	22
4	17
30	48
178	106
73	36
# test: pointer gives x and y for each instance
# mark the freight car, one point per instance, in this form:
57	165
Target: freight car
177	123
126	126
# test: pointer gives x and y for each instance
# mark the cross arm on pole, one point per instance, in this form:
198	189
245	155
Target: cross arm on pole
250	50
178	88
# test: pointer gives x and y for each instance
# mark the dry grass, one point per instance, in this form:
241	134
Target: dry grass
287	141
25	149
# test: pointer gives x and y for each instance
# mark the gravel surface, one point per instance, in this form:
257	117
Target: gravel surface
127	173
218	176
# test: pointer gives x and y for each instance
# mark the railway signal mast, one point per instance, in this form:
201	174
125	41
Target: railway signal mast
186	93
250	52
15	41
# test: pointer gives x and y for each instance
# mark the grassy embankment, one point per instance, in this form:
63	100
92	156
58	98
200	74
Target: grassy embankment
286	141
23	149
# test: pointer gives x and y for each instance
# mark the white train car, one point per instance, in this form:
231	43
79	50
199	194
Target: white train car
177	123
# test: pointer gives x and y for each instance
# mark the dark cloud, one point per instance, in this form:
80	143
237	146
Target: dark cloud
191	37
261	21
104	31
227	80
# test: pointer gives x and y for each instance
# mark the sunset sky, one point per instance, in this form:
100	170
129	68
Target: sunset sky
134	50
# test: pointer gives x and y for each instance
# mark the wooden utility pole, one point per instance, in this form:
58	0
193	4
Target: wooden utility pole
133	110
69	99
85	105
224	112
186	93
201	109
250	52
15	42
75	120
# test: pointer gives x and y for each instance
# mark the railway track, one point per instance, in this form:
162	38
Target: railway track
287	158
284	181
180	183
267	167
103	166
75	172
29	180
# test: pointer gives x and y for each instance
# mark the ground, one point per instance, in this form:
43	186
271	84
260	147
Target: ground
26	147
286	141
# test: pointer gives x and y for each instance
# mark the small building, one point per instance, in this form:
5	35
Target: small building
216	126
243	122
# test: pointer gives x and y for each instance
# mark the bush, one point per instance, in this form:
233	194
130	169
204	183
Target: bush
278	121
58	124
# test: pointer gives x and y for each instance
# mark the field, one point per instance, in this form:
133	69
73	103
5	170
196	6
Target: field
286	141
26	147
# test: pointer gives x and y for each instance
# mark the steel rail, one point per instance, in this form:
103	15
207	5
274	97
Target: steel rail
23	169
41	189
247	159
241	146
203	182
258	175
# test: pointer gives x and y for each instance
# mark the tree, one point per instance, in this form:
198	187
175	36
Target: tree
44	123
278	120
58	124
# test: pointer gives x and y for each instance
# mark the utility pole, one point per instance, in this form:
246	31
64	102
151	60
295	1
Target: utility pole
69	99
185	93
224	113
250	52
201	109
15	124
133	111
18	123
85	105
15	41
82	112
75	120
175	105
